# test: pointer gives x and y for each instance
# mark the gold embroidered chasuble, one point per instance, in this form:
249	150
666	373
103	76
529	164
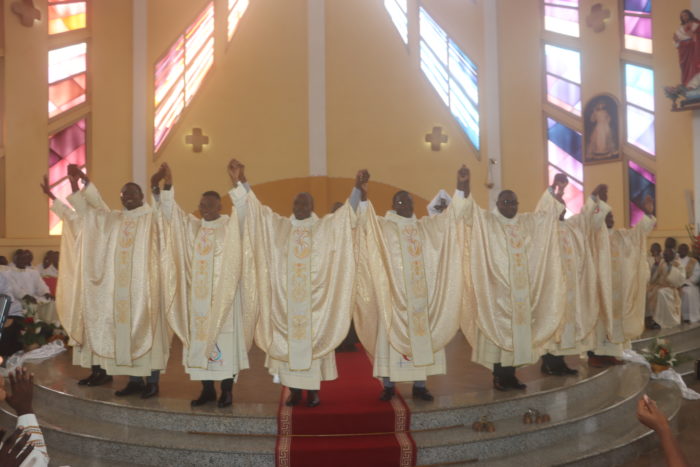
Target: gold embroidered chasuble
630	276
202	262
581	273
299	276
410	277
120	274
516	298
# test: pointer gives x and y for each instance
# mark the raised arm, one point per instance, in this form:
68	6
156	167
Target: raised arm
359	191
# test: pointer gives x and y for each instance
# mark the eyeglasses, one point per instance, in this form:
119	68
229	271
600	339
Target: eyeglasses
509	202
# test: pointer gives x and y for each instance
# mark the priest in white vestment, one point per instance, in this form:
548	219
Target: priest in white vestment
409	287
581	273
298	274
515	295
629	277
663	297
115	256
202	262
690	293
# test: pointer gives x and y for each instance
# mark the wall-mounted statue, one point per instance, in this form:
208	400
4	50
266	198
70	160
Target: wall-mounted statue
687	40
601	130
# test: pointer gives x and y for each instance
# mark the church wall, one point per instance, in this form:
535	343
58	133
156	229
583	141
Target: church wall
252	105
380	106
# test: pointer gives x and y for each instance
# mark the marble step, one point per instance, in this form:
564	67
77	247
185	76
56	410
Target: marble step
92	439
569	417
682	338
608	439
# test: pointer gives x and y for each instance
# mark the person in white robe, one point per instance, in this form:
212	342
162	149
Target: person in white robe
25	281
690	293
654	254
298	275
581	273
49	265
202	260
629	278
409	288
515	295
120	309
663	296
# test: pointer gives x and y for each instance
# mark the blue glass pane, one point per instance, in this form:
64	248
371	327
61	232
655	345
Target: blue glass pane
568	140
563	62
639	188
639	86
639	6
564	94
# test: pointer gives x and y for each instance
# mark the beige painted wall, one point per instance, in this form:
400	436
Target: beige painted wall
253	106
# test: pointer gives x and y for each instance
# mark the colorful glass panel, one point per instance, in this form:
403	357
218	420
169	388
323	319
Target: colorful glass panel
169	90
68	146
640	129
574	197
67	78
236	10
563	68
561	16
564	154
66	16
199	51
642	183
398	12
639	93
452	73
638	26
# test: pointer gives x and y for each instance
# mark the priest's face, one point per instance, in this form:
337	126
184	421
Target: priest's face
210	207
609	220
303	206
669	255
403	204
507	204
683	250
131	196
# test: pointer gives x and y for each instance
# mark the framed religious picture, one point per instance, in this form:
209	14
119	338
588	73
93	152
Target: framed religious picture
601	130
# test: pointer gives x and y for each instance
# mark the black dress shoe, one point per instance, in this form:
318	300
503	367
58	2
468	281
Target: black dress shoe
294	397
516	384
568	371
422	394
225	400
312	399
387	394
132	388
499	384
100	378
551	371
204	397
150	391
85	381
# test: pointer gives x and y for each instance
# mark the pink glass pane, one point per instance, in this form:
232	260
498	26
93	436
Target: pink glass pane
66	16
573	195
237	9
169	90
561	20
564	94
564	161
66	94
641	183
638	26
642	171
562	62
640	129
67	78
67	61
66	147
199	51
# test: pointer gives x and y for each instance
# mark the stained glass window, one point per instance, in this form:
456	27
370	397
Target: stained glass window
639	94
179	74
563	78
564	154
66	15
642	183
236	10
67	146
398	11
67	77
452	73
638	30
561	16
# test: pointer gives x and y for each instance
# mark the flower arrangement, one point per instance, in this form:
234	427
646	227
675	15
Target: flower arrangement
36	332
694	240
660	356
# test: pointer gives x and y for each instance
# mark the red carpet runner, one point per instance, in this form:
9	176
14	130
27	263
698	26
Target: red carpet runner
376	430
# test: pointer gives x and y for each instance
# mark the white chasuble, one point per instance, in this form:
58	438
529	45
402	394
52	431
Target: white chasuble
298	275
663	298
120	269
202	262
629	278
409	278
516	296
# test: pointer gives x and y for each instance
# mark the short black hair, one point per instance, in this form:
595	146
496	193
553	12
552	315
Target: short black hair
506	192
396	195
213	194
133	184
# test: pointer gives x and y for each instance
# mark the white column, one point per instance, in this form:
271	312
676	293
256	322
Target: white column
491	103
695	7
139	132
317	88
